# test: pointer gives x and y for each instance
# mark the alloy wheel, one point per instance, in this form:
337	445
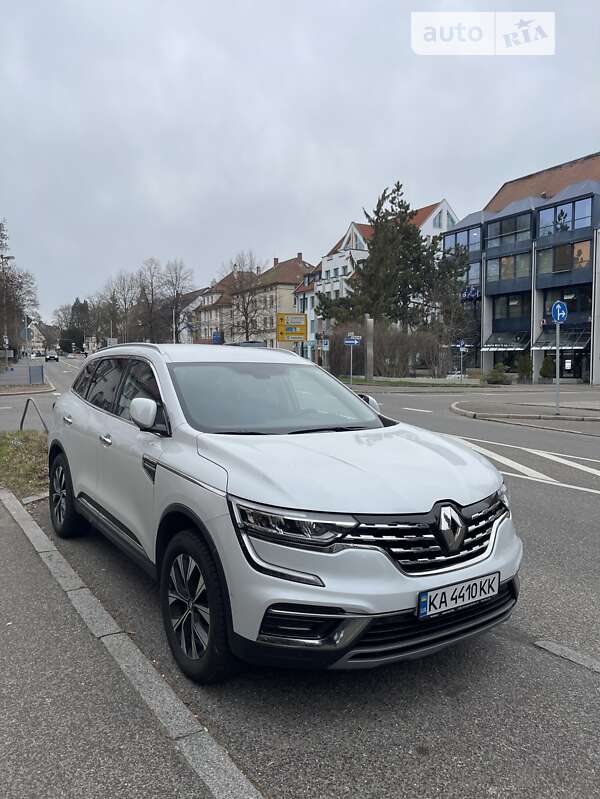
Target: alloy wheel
188	606
59	495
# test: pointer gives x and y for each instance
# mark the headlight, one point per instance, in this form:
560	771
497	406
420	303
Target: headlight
290	527
503	496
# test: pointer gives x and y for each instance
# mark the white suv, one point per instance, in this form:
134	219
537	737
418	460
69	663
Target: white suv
287	520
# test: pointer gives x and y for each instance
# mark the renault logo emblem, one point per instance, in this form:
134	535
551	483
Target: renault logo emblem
452	528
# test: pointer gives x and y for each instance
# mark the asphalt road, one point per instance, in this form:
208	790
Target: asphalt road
495	717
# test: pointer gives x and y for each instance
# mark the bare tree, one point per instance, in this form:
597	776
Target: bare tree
177	281
151	280
245	306
125	292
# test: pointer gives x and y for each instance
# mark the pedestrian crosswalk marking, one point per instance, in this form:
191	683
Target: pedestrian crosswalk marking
553	483
515	446
526	470
558	459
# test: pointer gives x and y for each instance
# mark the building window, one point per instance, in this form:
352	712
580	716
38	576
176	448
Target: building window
327	271
582	216
345	269
565	217
474	274
336	272
581	254
507	268
437	220
493	270
565	257
468	239
337	295
509	231
512	306
450	219
577	298
523	264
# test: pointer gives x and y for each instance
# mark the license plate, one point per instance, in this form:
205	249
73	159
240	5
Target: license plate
450	597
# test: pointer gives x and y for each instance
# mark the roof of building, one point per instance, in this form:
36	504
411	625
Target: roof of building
547	182
366	231
289	272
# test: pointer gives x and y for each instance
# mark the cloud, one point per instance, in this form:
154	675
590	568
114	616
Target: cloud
198	129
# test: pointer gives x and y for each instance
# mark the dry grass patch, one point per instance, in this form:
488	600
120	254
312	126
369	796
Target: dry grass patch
24	462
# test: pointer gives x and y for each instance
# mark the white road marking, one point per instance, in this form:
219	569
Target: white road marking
508	462
417	410
553	483
514	446
558	459
570	654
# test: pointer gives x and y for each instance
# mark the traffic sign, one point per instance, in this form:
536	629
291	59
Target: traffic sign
559	312
291	327
5	342
352	341
325	345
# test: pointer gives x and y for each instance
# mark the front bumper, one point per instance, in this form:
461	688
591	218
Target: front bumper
369	602
368	641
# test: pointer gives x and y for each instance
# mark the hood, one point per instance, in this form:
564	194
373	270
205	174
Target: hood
398	469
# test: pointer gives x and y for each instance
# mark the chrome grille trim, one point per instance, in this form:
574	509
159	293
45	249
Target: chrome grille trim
413	546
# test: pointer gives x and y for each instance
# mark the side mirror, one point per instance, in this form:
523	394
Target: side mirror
371	401
143	412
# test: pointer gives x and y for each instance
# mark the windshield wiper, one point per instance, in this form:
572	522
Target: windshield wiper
325	430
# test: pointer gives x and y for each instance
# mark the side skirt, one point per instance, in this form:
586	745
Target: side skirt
116	532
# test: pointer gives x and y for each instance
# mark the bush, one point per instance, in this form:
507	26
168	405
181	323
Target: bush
524	367
498	376
548	369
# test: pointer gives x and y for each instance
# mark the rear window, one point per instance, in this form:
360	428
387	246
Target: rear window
105	383
84	378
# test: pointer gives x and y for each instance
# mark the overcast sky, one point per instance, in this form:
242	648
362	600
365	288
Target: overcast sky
196	129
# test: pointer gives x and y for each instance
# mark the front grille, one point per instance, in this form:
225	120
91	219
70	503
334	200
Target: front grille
404	634
414	542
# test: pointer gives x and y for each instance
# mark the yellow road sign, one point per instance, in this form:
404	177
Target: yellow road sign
291	327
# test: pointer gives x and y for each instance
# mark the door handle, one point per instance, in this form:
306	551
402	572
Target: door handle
67	419
106	440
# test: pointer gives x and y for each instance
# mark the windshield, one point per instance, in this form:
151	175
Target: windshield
267	398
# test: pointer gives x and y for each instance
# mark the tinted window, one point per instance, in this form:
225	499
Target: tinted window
493	270
105	383
544	261
523	264
268	398
562	258
546	222
583	213
581	254
140	382
84	378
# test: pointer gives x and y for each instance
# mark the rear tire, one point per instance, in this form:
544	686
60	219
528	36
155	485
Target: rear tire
193	608
66	522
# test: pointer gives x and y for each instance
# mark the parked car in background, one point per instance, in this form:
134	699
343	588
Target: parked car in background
51	355
287	520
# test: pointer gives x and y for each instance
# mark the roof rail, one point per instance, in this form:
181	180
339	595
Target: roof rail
130	344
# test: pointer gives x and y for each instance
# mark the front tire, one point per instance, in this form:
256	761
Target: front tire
65	519
193	609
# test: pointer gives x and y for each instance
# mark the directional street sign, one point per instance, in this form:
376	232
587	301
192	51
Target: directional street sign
352	341
559	312
325	344
291	327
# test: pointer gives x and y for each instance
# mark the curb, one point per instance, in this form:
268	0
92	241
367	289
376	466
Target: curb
455	408
50	387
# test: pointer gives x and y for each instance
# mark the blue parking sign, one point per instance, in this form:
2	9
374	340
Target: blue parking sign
559	312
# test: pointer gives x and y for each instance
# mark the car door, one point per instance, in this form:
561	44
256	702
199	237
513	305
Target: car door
127	458
77	431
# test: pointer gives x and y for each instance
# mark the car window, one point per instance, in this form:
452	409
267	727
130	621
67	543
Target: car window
84	378
105	382
140	382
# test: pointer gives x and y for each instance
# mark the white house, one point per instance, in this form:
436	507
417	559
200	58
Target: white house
332	276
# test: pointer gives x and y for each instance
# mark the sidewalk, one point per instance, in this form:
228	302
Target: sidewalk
71	725
581	416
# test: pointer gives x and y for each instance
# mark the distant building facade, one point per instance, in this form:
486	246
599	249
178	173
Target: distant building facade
535	242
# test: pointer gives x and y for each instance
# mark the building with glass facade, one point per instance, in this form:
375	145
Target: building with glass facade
536	242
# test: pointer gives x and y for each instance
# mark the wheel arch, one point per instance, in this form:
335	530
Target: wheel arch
176	518
55	449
